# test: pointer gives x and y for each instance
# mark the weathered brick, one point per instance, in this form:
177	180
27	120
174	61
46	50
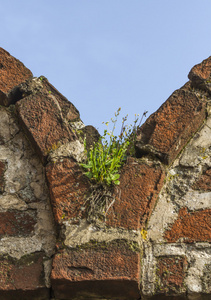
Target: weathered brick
68	188
171	274
3	167
17	223
38	294
140	183
41	85
190	227
166	132
69	111
22	279
204	182
42	119
91	134
12	73
105	270
200	75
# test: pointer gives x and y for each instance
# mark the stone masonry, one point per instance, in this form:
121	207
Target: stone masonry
154	242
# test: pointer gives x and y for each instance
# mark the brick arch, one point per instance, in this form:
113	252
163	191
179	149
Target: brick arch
110	259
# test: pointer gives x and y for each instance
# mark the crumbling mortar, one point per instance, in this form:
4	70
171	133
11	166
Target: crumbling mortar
12	117
188	142
69	238
182	179
188	251
134	246
200	91
25	260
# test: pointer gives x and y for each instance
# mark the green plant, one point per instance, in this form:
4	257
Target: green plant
107	156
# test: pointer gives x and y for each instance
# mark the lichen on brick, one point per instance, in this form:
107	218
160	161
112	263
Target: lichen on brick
170	275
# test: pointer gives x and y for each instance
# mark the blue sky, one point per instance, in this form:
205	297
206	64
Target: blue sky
106	54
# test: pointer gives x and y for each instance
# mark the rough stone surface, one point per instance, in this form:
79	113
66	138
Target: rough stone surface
41	85
84	232
171	274
24	275
182	216
73	149
21	274
3	167
12	73
104	270
200	75
68	189
207	278
42	119
26	220
91	134
197	257
69	111
140	183
198	151
179	189
166	132
204	181
36	294
16	223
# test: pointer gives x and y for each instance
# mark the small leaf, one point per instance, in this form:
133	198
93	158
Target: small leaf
87	166
89	174
117	182
114	177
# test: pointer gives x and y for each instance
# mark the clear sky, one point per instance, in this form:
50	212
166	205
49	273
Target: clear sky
106	54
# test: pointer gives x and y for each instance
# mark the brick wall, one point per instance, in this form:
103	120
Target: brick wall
155	240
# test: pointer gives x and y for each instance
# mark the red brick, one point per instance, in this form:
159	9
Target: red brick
106	270
41	85
41	117
204	182
69	111
191	227
3	167
16	223
140	183
200	75
166	132
68	188
171	274
22	278
12	73
38	294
